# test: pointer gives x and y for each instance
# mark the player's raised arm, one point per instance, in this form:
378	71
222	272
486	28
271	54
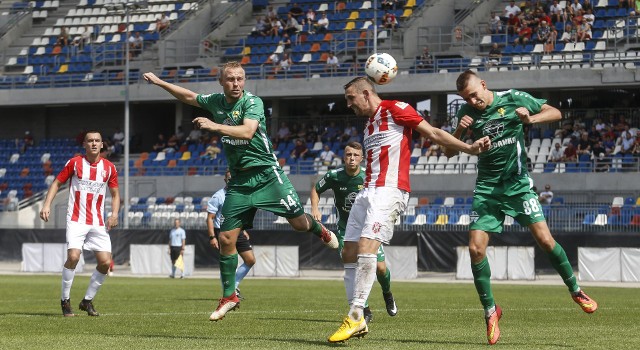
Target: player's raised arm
548	114
447	140
245	131
185	95
463	125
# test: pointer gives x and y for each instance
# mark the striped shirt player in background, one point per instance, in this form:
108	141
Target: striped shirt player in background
387	141
86	228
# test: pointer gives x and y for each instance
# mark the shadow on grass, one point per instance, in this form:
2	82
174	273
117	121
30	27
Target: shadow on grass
296	319
39	314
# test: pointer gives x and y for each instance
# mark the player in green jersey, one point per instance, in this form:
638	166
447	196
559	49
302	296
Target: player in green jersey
346	182
257	181
503	185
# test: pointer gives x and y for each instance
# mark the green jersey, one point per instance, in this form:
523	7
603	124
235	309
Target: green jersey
345	188
507	157
241	154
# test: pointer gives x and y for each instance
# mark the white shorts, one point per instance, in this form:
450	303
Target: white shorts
374	214
88	237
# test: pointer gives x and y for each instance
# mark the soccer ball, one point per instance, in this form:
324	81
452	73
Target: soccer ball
381	68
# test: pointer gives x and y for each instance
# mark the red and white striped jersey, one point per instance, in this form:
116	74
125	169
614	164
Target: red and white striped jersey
89	183
387	143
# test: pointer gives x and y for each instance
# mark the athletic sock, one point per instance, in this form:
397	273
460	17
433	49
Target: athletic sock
385	281
482	280
365	275
67	281
560	262
241	272
173	270
315	227
349	280
228	265
97	279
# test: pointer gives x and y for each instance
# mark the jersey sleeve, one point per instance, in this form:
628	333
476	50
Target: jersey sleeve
324	183
405	115
205	101
523	99
113	180
213	204
67	171
253	108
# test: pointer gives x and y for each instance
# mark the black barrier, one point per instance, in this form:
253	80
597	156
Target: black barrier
436	250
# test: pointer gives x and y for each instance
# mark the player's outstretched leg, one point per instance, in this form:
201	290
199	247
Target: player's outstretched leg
87	305
66	308
390	303
587	304
225	305
493	331
349	329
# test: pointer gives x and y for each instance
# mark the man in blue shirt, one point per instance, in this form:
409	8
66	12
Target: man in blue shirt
243	245
177	241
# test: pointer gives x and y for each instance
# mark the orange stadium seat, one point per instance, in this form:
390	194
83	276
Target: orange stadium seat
245	60
328	37
315	47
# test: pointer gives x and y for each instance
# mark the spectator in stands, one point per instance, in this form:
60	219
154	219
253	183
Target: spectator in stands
511	10
569	35
513	23
544	33
296	11
274	59
598	148
160	144
635	7
587	5
259	29
495	55
180	134
594	135
388	4
283	133
546	196
291	26
575	8
194	136
163	22
635	151
327	155
426	60
276	27
84	38
583	32
136	42
589	17
495	24
524	33
63	37
300	150
550	44
556	153
389	20
446	127
322	26
624	4
311	17
354	137
287	46
584	145
555	12
118	140
285	63
212	150
330	132
332	64
271	13
346	134
172	144
569	154
626	142
26	142
354	66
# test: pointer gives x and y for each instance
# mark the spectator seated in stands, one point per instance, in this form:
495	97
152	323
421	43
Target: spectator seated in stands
388	4
118	140
495	55
283	134
163	22
635	151
570	154
286	44
513	23
322	26
495	24
276	27
160	144
389	21
330	133
556	12
194	137
260	28
589	17
327	156
212	150
332	64
296	11
291	26
524	33
172	144
84	38
556	153
626	142
570	35
511	10
346	134
300	150
136	42
575	8
63	37
546	196
425	61
584	145
285	64
26	142
583	31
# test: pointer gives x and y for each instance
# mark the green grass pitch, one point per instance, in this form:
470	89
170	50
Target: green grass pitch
155	313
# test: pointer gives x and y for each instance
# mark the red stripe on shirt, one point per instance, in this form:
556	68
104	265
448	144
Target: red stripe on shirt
367	177
88	205
405	161
93	171
99	210
384	165
76	207
384	121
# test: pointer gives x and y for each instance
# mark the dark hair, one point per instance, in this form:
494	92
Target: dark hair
463	79
92	132
359	82
354	145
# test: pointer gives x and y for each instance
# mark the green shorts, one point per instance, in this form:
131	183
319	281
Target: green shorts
340	236
512	197
266	188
